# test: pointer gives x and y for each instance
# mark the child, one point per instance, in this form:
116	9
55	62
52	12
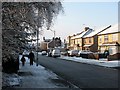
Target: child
23	60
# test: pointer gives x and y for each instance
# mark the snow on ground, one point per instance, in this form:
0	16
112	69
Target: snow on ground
10	79
100	62
32	77
37	76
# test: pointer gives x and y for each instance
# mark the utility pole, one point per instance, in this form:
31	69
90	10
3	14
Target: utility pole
54	38
38	26
37	46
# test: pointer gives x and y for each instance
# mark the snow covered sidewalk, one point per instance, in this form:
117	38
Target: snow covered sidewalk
100	62
9	80
37	77
31	77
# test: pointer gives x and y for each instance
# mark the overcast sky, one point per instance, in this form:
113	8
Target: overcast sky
77	15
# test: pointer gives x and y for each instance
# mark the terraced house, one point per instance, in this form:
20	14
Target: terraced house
75	42
70	43
109	39
90	41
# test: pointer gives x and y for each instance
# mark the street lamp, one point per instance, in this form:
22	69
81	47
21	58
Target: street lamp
37	32
37	46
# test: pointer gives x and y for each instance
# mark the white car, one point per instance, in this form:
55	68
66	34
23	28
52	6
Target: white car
73	53
50	53
56	53
44	53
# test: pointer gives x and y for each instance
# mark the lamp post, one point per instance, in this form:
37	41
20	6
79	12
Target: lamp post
37	28
54	38
37	46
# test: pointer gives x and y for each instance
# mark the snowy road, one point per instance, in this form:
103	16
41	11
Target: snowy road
82	75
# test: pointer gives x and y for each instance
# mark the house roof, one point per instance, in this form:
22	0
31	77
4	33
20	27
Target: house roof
79	36
97	31
112	29
82	34
88	32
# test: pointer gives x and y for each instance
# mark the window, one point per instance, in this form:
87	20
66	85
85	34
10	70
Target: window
84	40
100	39
106	38
80	41
72	42
90	40
115	37
76	41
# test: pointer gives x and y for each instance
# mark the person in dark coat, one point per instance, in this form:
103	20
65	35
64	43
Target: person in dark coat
31	57
23	60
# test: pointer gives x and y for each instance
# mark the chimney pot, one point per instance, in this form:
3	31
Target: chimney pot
86	28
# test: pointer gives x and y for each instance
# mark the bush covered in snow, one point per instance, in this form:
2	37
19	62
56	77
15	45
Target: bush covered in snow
10	63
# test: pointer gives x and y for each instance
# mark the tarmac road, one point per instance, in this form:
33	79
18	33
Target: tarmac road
82	75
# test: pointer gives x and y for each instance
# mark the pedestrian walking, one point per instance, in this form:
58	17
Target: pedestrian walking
23	60
31	57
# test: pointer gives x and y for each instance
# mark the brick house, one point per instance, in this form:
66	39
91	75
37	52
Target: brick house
90	41
109	39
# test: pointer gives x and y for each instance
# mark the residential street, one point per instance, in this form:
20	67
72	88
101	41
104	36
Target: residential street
59	44
82	75
34	77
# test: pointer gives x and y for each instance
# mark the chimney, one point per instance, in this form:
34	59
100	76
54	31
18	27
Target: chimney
86	28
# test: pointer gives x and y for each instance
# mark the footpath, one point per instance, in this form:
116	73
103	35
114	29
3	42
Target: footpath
34	77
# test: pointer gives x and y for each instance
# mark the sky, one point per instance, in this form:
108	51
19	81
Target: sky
78	15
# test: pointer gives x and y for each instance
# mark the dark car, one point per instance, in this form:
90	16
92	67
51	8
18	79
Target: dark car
106	53
84	53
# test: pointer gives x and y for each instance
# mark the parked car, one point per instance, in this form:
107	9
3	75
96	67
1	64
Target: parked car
101	55
84	53
106	53
44	53
78	55
56	53
64	53
50	53
73	52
